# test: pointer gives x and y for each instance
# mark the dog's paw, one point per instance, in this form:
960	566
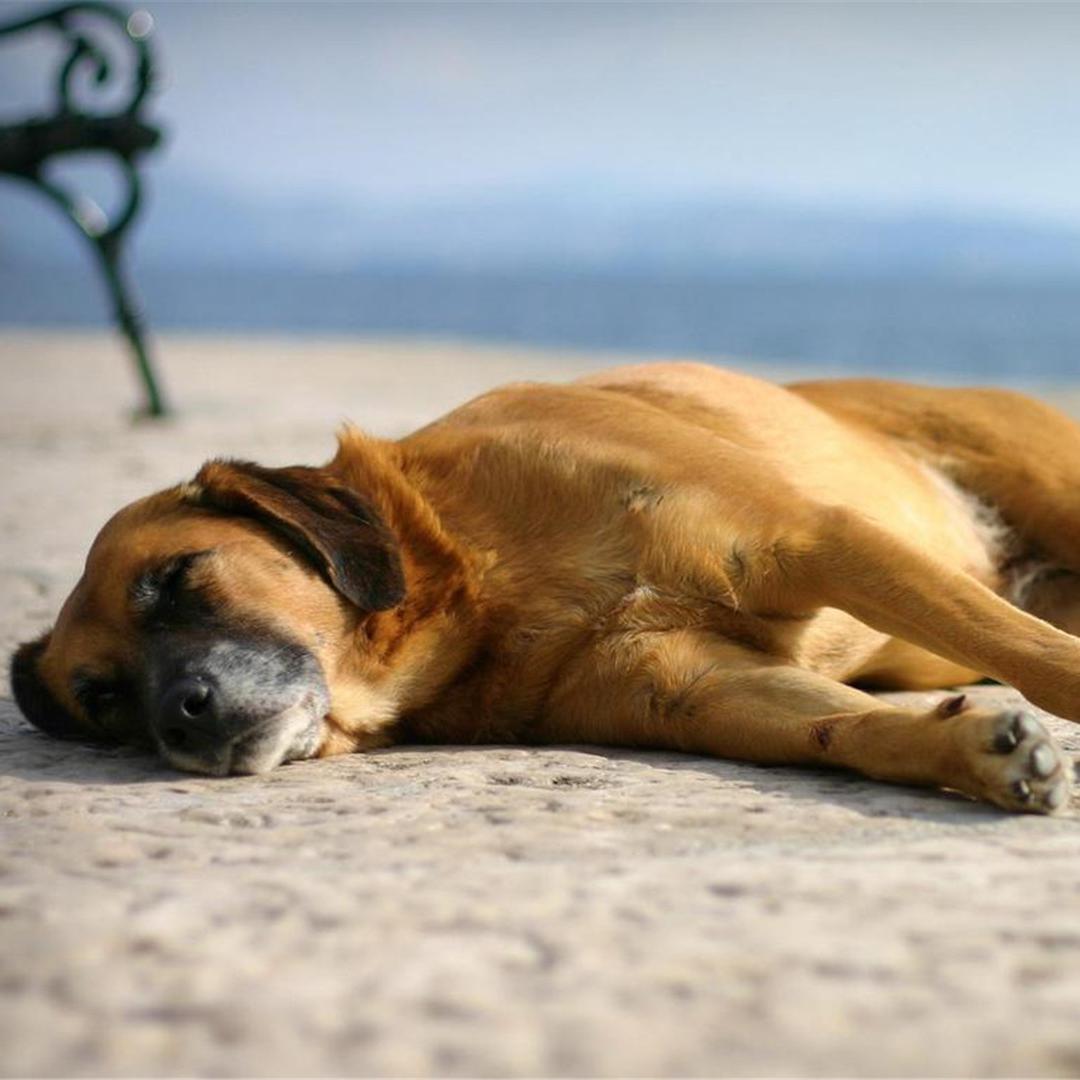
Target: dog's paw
1016	763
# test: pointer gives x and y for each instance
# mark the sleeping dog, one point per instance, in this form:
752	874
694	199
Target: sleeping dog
666	556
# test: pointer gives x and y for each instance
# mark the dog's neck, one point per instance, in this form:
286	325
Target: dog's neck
430	636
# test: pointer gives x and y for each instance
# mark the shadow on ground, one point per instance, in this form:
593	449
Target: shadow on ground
28	754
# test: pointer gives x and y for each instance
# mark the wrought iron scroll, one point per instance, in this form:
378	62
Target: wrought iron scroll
27	148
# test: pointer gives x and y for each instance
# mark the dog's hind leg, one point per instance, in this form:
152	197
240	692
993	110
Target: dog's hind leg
1016	453
686	691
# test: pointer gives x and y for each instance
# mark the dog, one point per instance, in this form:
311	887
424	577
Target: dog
668	555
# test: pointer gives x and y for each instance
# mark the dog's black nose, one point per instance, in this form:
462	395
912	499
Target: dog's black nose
188	719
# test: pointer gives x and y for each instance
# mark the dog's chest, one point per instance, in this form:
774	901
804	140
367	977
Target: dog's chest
504	693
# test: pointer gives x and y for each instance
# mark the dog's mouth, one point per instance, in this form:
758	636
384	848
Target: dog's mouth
292	734
215	703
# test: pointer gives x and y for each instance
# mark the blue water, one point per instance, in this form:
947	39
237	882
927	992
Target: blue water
941	329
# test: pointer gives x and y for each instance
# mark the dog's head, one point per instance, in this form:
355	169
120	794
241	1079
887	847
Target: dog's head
211	619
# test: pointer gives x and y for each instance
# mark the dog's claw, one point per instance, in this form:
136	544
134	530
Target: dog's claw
1022	790
1006	741
1027	725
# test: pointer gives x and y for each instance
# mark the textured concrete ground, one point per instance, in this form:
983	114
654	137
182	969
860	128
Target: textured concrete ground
480	911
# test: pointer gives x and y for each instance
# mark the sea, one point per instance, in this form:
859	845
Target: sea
940	329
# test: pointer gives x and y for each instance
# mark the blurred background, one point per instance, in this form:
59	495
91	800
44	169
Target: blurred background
886	188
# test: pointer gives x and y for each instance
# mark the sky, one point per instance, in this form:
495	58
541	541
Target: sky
970	107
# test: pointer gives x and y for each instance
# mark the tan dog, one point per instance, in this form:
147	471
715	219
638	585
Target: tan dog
665	556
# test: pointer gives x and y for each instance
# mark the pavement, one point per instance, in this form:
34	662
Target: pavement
469	912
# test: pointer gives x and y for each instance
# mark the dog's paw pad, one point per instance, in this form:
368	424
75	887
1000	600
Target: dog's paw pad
1012	728
1024	768
1043	761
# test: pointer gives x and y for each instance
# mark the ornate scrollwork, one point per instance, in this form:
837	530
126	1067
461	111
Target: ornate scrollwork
27	148
83	49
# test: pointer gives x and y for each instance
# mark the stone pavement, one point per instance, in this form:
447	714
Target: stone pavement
481	911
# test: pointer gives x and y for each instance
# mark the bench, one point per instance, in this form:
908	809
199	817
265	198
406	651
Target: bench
28	147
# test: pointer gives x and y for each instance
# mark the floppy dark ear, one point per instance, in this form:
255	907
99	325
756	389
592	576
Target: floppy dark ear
333	526
33	696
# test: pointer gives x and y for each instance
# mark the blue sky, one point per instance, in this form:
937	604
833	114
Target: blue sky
967	106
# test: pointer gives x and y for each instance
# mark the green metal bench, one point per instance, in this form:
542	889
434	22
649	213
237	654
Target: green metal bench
28	147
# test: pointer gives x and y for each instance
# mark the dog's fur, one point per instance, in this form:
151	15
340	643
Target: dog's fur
661	556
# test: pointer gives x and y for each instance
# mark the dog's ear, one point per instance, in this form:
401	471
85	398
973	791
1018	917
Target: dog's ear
34	698
333	526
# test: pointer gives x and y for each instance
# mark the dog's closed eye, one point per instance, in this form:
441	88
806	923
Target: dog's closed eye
160	589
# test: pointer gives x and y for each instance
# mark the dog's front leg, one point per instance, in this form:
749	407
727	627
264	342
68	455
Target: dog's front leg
686	690
844	560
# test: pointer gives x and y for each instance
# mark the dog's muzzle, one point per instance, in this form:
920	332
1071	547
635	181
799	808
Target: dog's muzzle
237	706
